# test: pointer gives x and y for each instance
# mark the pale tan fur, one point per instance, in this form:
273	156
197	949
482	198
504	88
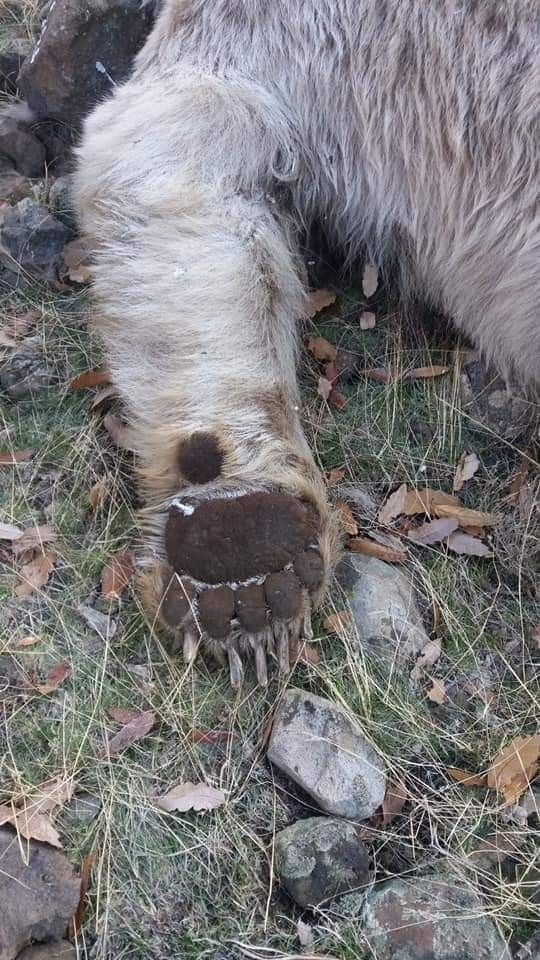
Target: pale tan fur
246	119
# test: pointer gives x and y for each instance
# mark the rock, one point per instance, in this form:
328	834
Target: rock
85	46
320	858
62	950
388	622
428	918
25	372
85	807
38	897
18	143
502	408
319	747
59	200
32	240
12	184
11	62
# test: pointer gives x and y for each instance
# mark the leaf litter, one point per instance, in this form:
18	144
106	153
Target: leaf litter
191	796
32	815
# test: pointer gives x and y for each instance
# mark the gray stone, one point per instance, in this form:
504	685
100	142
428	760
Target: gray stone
38	894
60	950
388	622
84	807
326	753
18	143
429	918
85	46
60	202
320	858
25	372
32	240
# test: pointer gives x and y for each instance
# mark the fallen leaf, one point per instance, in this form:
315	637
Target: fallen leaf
337	622
134	730
77	920
210	736
324	388
90	378
117	574
336	399
372	549
124	714
55	677
34	574
370	279
425	373
335	475
8	457
382	374
367	320
469	779
426	501
518	481
433	532
10	532
318	300
472	530
35	537
393	506
97	493
514	767
331	371
348	522
466	468
30	814
464	515
304	653
28	641
321	349
191	796
427	657
119	433
438	692
463	543
395	799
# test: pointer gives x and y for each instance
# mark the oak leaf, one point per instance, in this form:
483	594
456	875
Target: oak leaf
117	574
433	532
134	730
191	796
393	506
514	767
462	543
466	468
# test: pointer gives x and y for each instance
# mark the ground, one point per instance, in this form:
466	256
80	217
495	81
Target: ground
201	885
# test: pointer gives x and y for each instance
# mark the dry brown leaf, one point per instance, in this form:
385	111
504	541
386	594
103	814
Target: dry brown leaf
370	279
367	320
322	349
335	475
427	657
469	779
324	388
117	574
395	798
466	468
433	532
337	622
191	796
9	532
372	549
77	920
34	575
8	457
336	399
438	692
29	640
33	827
30	815
97	493
119	433
393	505
35	537
463	543
134	730
514	767
55	677
472	530
348	522
382	374
318	300
124	714
90	378
425	373
426	501
211	736
304	653
464	515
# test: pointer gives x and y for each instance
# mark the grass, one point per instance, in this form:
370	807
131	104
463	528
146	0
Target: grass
195	886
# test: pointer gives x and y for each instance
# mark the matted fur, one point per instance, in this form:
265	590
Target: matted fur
408	122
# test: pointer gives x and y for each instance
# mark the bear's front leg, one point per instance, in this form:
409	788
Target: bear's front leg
200	291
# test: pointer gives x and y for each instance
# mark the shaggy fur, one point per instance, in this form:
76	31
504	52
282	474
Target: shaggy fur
402	124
